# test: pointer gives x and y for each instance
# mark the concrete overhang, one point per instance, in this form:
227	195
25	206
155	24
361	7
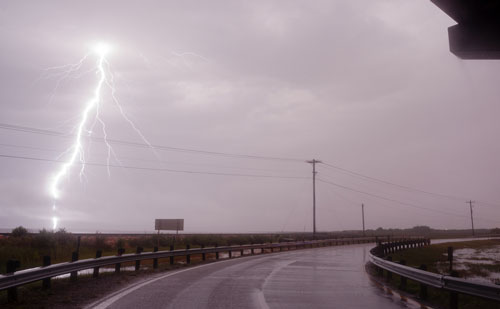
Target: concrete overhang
477	33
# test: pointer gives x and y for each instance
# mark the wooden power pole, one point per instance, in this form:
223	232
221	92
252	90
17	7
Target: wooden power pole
471	216
363	217
313	162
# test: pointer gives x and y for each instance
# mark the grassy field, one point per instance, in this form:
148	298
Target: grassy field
435	257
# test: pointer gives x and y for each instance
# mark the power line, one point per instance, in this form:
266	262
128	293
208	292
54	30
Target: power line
388	199
458	198
403	203
6	126
11	127
159	169
155	161
392	183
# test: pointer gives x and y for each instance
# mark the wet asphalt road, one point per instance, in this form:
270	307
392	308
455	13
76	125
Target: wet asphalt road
328	277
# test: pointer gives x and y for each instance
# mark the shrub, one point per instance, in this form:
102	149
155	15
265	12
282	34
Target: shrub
19	232
63	238
120	243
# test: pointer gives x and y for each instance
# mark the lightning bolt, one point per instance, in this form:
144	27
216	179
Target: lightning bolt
89	117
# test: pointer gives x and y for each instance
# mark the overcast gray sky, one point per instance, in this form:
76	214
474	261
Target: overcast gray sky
368	86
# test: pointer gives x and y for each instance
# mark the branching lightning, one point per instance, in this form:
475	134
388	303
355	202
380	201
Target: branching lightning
89	118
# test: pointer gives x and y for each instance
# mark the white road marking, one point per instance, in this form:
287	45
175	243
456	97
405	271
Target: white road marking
101	304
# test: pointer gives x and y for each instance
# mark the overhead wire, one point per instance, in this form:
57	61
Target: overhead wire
386	198
155	161
158	169
11	127
412	199
408	188
400	202
392	183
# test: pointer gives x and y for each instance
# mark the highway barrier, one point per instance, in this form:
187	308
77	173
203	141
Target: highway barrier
379	258
13	278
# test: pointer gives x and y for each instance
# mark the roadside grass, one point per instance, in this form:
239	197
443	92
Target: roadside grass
432	256
29	249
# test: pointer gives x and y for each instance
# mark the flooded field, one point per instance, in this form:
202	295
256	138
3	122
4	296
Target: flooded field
478	264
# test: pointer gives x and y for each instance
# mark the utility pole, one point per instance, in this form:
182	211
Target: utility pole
363	216
313	162
471	217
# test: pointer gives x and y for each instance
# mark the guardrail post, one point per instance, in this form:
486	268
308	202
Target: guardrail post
188	256
74	258
389	274
216	253
241	251
119	265
138	262
423	287
402	285
46	281
450	258
203	255
172	257
230	253
11	268
454	295
98	254
155	261
252	251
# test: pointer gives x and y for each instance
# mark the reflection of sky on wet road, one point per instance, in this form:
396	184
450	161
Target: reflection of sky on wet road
329	277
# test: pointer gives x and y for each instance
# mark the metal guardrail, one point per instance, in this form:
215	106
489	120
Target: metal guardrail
452	284
39	273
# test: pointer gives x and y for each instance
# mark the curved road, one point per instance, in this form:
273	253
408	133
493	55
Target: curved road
328	277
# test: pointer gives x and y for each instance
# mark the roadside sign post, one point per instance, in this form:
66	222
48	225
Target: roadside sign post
169	225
